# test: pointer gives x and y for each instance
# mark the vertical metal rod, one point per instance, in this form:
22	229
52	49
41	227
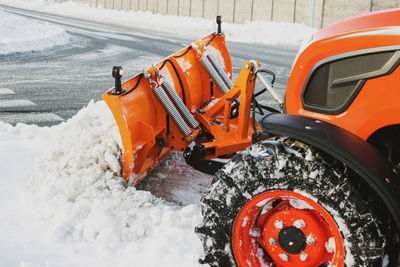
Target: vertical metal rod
227	113
294	11
234	11
252	11
322	14
202	15
272	10
313	13
178	7
190	8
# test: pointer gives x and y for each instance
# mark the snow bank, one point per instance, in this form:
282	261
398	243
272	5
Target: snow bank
19	34
79	210
272	33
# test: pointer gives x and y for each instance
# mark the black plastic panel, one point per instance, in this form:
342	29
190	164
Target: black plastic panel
334	83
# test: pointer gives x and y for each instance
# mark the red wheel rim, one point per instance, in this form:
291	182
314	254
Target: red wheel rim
284	228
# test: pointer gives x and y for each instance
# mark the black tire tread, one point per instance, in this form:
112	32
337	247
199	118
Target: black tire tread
284	163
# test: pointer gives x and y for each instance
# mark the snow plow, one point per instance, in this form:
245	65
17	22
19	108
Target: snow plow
315	183
191	99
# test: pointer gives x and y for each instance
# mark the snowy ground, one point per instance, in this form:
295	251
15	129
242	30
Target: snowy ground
23	35
272	33
62	202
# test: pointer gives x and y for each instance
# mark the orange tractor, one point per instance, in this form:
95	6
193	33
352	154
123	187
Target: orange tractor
313	182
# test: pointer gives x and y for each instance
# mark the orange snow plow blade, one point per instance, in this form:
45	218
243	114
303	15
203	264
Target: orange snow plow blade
185	99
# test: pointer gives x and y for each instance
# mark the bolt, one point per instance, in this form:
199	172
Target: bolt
310	240
146	74
284	257
299	224
254	232
272	241
278	224
303	256
161	142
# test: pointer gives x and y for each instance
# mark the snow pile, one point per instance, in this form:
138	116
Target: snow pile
78	207
18	145
272	33
20	34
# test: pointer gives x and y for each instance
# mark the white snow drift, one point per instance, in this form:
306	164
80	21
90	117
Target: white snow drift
272	33
19	34
75	210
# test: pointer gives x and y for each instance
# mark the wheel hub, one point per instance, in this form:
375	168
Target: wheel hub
292	240
285	228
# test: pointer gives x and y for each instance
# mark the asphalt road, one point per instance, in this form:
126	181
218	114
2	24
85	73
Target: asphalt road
47	87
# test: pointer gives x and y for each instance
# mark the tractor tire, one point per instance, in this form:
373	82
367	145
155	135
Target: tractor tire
338	223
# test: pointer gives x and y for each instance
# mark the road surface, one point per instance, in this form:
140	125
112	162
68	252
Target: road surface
47	87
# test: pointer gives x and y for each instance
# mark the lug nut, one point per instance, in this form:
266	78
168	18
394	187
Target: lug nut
272	241
284	257
254	232
310	240
303	256
299	224
279	224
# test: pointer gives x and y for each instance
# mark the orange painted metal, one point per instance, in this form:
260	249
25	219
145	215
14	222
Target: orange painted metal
148	135
256	227
238	137
376	105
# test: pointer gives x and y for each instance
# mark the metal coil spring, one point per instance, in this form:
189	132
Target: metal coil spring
180	105
214	74
172	111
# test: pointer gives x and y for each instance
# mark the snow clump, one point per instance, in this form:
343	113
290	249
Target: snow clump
77	193
20	34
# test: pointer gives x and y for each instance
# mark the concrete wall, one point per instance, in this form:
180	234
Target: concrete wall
336	9
283	10
262	10
382	4
304	10
210	9
243	9
316	13
184	7
226	9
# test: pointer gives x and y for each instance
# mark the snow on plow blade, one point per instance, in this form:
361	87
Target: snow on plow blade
180	100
